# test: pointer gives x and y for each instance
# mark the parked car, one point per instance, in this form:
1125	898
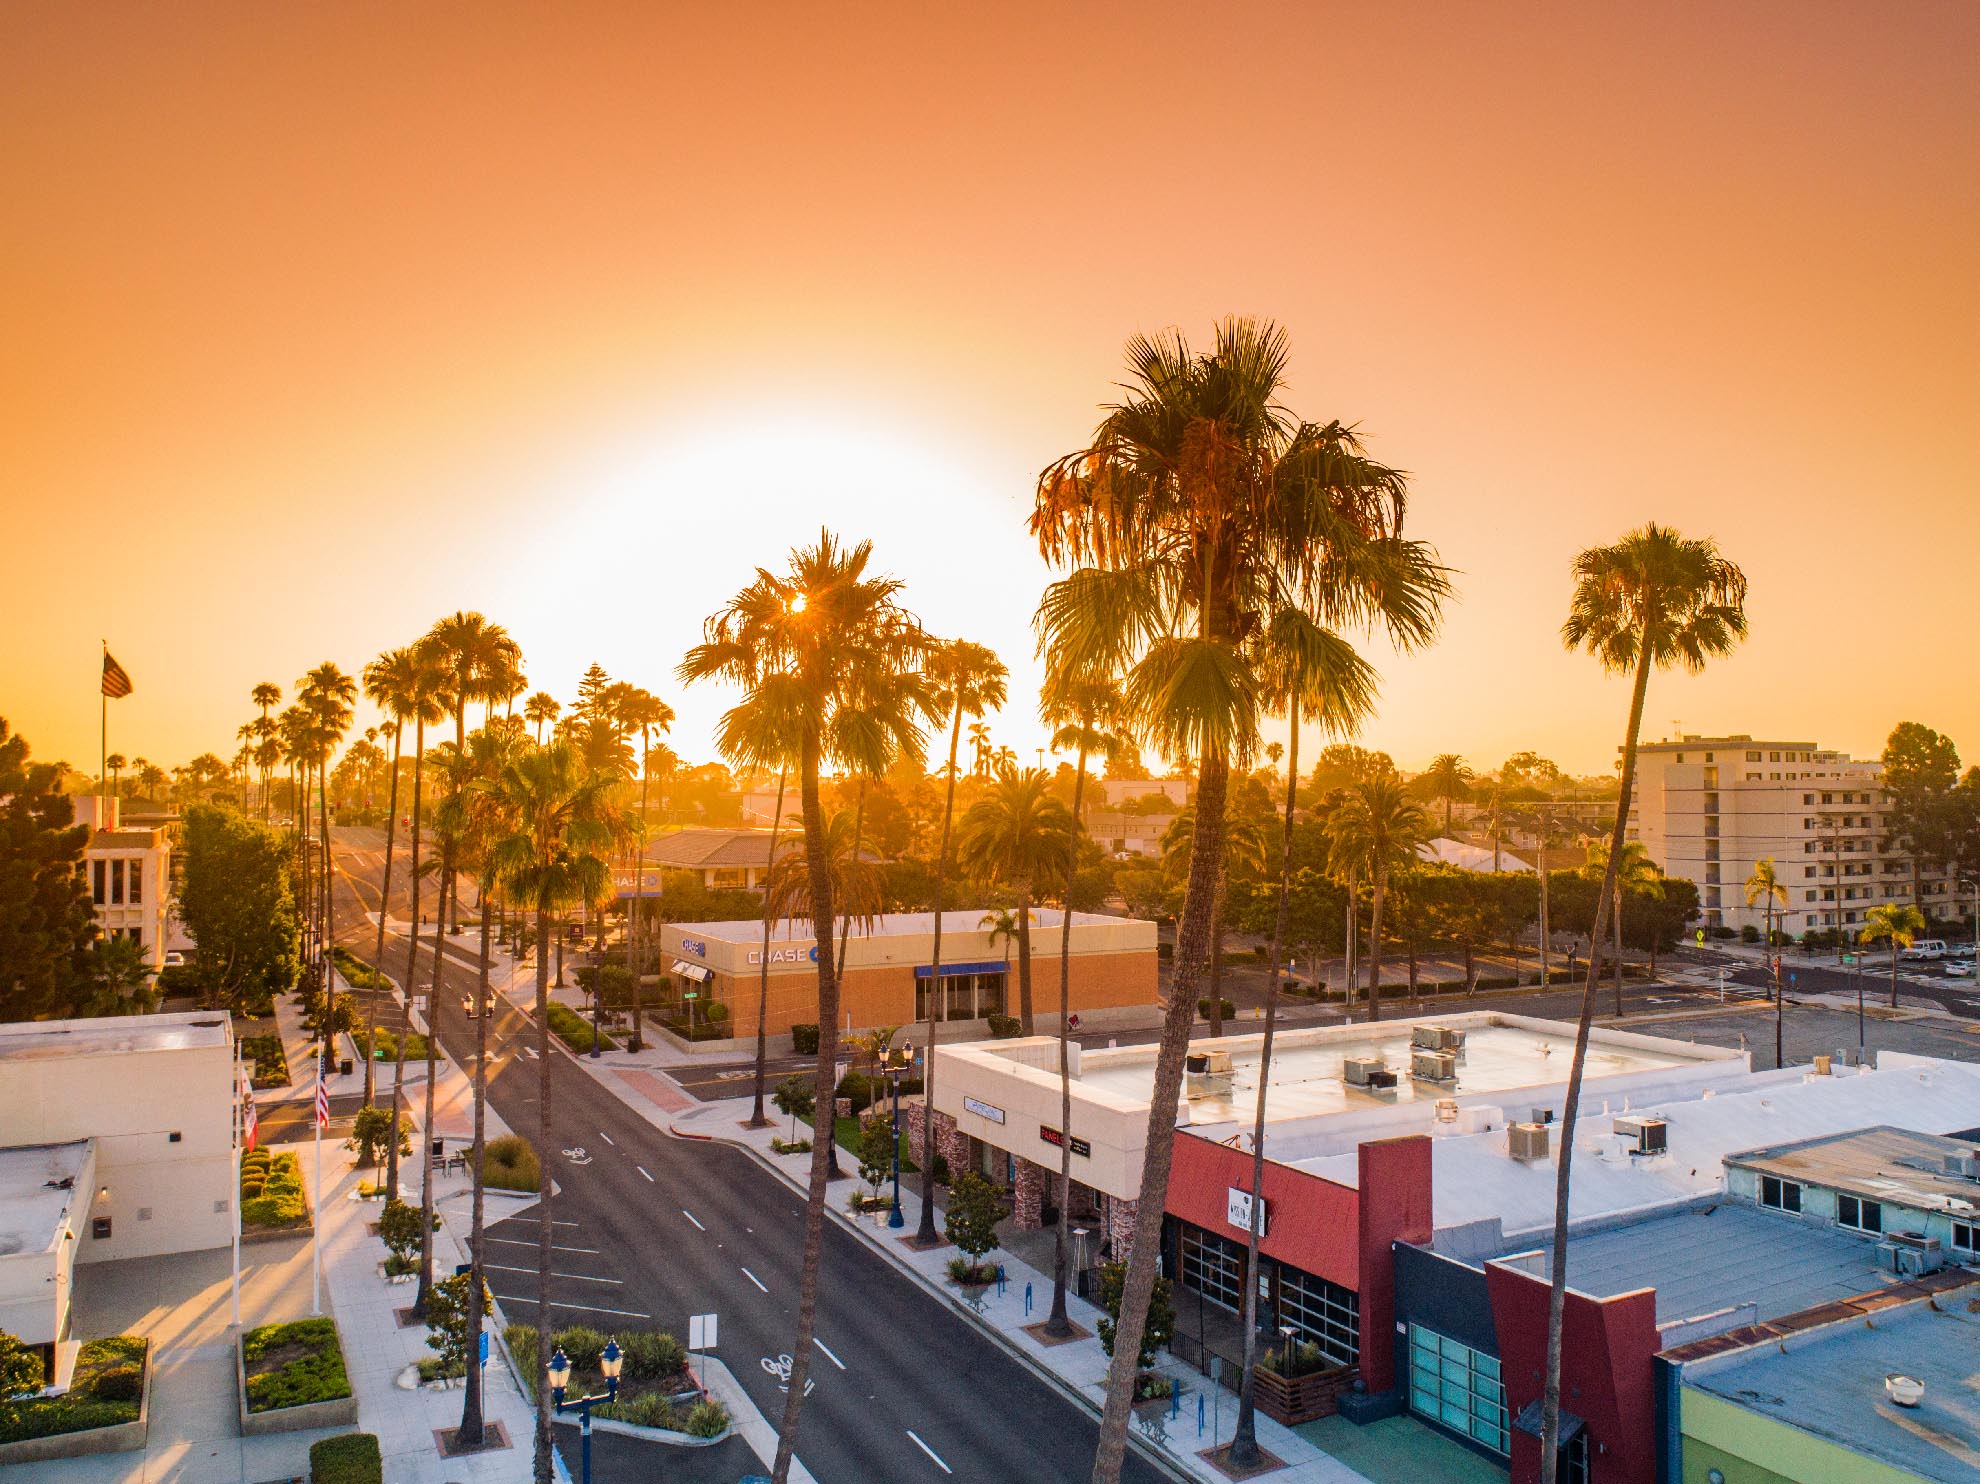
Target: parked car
1958	970
174	959
1925	950
1960	950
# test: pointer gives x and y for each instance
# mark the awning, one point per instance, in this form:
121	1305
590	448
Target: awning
697	972
987	966
1528	1422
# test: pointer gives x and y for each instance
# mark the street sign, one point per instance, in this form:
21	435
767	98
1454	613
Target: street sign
1849	958
690	994
484	1347
1701	937
701	1331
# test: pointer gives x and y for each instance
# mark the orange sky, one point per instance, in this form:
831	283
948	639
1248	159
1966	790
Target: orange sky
320	321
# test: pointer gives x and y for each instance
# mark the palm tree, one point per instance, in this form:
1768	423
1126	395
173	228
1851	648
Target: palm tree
1375	829
1764	886
328	695
640	711
841	636
391	684
151	778
1635	872
1898	924
116	764
559	827
1244	847
426	698
265	695
1274	751
974	681
979	741
1200	509
1308	671
1446	778
1014	834
540	708
1652	600
1080	709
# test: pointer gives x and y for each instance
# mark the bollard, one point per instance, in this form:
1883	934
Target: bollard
1000	1280
1175	1401
1027	1300
1199	1414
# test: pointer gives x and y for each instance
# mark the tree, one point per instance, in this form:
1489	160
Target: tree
371	1130
876	1151
639	711
540	708
453	1329
267	751
120	979
1899	925
328	695
418	687
237	904
1634	873
1373	832
20	1372
46	920
559	828
974	681
1652	600
1344	763
1921	770
1199	510
843	639
795	1099
1014	835
1160	1327
1447	778
1764	886
975	1208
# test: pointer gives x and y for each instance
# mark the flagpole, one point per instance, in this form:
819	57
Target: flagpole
103	749
316	1224
239	1072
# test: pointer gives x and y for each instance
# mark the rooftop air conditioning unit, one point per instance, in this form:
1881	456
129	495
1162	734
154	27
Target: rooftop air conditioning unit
1453	1038
1432	1066
1528	1141
1909	1255
1649	1134
1382	1078
1447	1110
1357	1070
1218	1063
1540	1115
1431	1037
1963	1165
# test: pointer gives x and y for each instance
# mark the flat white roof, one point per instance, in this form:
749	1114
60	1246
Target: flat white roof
749	931
37	1185
41	1039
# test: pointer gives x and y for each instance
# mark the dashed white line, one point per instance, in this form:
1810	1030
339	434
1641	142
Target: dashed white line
517	1298
608	1138
828	1352
496	1267
531	1242
642	1170
690	1216
754	1279
930	1452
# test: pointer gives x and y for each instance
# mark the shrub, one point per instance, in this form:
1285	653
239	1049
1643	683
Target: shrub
651	1355
399	1228
715	1012
804	1040
271	1065
351	1458
962	1270
1004	1027
120	1383
975	1208
273	1210
1749	934
858	1087
574	1030
292	1365
521	1340
707	1420
450	1328
789	1146
1225	1008
511	1164
648	1409
371	1129
581	1344
1161	1326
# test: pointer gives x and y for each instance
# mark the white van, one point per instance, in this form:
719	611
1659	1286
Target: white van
1925	950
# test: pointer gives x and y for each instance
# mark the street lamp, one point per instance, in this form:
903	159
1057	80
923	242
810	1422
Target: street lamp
597	996
894	1062
609	1364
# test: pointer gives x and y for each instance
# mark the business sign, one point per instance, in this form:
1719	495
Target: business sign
1237	1211
695	946
786	955
983	1110
1053	1137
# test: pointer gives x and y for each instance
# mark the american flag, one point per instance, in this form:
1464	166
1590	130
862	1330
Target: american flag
322	1093
248	1120
116	683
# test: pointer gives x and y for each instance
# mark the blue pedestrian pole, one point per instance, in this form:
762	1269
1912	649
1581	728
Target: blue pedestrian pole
1027	1300
1200	1414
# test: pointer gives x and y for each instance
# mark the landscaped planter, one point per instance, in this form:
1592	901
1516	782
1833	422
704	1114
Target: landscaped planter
334	1412
1293	1400
119	1437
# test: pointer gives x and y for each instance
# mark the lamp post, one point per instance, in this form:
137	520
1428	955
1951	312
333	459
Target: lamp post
1855	961
560	1375
894	1064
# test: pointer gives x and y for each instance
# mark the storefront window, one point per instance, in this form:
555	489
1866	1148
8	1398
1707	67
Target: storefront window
1457	1387
963	996
1213	1266
1325	1314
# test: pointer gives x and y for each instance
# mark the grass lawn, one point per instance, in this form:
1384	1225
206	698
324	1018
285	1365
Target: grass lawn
845	1134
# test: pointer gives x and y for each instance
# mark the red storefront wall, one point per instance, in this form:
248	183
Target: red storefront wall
1607	1376
1338	1232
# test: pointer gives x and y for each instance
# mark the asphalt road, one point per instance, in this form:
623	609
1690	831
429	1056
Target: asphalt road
652	1229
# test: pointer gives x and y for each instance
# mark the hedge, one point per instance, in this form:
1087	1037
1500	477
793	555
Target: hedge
316	1374
104	1390
349	1458
511	1164
271	1066
271	1190
574	1030
804	1039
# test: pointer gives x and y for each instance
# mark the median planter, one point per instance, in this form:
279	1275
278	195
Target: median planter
291	1378
1291	1400
113	1421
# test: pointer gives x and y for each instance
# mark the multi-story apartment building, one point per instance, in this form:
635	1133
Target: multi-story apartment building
1709	808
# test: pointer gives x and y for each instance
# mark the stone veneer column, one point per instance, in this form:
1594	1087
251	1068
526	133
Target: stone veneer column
1028	1199
1120	1226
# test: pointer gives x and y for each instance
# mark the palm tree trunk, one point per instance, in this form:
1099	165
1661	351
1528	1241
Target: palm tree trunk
1375	940
323	941
470	1433
1244	1441
1192	950
412	965
540	1462
1546	945
924	1234
448	887
1780	1000
756	1118
378	958
819	867
1024	955
1894	964
1619	946
639	901
1216	1016
1550	1403
1058	1323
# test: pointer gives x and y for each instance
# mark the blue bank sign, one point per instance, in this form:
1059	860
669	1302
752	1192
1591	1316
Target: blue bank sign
695	946
785	955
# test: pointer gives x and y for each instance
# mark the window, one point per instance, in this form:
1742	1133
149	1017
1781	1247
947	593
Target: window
1574	1460
116	883
98	877
1809	895
1752	777
137	883
1858	1214
1709	757
1966	1236
1213	1266
1808	873
1779	1195
1324	1313
1458	1388
1752	756
963	996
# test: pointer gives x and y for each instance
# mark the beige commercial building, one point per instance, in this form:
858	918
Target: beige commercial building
1708	808
129	873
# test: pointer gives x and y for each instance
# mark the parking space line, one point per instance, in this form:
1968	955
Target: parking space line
642	1170
690	1216
608	1138
517	1298
496	1267
930	1452
519	1242
754	1279
828	1352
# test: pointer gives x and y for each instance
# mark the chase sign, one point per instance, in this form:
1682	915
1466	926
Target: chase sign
695	946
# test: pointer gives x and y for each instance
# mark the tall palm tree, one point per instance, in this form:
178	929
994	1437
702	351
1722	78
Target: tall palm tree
293	727
842	636
328	694
1898	924
1635	872
559	827
639	711
1245	848
974	681
115	763
1375	829
1447	778
1652	600
1765	886
540	708
979	741
391	684
426	698
1080	709
264	696
1307	671
1199	510
1014	835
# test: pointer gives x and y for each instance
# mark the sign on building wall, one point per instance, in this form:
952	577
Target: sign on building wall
786	955
695	946
1052	1136
983	1110
1237	1211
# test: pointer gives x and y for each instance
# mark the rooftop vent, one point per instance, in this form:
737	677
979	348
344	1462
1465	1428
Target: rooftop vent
1906	1391
1963	1164
1528	1141
1432	1066
1356	1070
1646	1135
1447	1110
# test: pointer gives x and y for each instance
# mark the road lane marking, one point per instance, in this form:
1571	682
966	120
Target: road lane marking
690	1216
608	1138
531	1242
828	1352
496	1267
930	1452
642	1170
517	1298
754	1279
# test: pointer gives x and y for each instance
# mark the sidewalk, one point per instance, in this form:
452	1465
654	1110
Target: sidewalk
1077	1366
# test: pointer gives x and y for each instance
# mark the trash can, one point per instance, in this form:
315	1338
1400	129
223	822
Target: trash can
344	1066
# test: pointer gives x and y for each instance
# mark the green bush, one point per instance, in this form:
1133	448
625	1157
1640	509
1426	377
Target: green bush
271	1065
521	1340
581	1344
399	1228
511	1164
574	1030
349	1458
652	1355
707	1420
1004	1027
715	1012
120	1383
648	1409
1161	1323
104	1390
859	1088
273	1211
1225	1009
292	1365
804	1040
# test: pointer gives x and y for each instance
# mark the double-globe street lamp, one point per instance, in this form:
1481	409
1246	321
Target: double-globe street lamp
894	1064
609	1363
